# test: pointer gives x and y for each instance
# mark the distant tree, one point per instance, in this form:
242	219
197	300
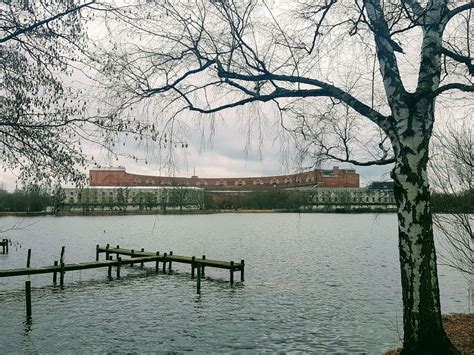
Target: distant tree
151	200
57	199
122	198
452	168
316	61
44	123
179	196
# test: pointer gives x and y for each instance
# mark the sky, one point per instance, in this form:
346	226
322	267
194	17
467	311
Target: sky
227	153
232	151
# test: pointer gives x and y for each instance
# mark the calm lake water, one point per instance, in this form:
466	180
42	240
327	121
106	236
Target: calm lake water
321	283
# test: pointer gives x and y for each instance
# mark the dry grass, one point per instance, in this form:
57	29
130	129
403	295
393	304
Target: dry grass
460	329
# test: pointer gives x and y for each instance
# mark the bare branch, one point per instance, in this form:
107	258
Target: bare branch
35	25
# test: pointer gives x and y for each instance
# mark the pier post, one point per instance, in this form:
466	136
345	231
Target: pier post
157	263
231	272
193	261
198	286
169	263
131	256
8	242
242	270
202	266
3	246
28	258
107	252
109	273
118	247
97	252
119	263
61	275
28	298
164	263
63	249
55	274
142	263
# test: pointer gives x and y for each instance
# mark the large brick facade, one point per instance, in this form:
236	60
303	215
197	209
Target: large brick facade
316	178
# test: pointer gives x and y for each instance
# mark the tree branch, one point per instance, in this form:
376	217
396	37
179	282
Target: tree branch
459	9
459	58
452	86
386	48
328	90
43	22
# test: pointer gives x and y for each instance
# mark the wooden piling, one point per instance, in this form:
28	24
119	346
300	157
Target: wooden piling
61	259
164	263
61	275
198	285
202	266
7	244
55	274
3	246
119	260
131	256
193	262
97	252
141	264
169	263
28	258
231	272
107	252
109	273
117	254
242	270
157	263
28	298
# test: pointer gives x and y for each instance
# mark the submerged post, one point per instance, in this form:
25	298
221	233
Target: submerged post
169	263
109	273
131	256
28	258
157	263
202	266
242	270
97	252
119	263
231	272
142	263
63	249
193	261
61	275
28	298
164	263
198	286
55	274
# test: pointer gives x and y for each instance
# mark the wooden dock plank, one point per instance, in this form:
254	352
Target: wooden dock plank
74	267
175	258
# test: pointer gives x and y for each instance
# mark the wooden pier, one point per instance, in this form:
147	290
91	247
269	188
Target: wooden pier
196	263
141	257
4	244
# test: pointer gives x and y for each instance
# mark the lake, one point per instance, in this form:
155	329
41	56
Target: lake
320	283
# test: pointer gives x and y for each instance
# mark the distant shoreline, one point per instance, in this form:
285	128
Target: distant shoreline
202	212
184	212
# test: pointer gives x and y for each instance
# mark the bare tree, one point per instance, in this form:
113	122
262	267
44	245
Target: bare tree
314	62
452	171
44	122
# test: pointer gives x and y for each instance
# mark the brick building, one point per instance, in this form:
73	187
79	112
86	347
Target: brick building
335	178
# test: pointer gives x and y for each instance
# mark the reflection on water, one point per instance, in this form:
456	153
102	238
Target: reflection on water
314	283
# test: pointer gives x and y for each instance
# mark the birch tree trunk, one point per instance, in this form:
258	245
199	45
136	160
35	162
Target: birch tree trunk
422	324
